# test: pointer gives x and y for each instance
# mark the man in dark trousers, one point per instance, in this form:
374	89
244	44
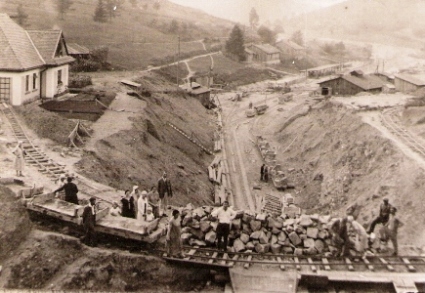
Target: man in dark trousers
263	169
384	215
89	221
71	191
225	217
164	187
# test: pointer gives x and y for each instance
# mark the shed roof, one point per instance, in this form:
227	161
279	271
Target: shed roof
289	43
366	82
76	49
17	51
411	79
269	49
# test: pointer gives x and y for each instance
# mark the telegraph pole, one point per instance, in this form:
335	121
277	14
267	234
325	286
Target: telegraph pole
178	62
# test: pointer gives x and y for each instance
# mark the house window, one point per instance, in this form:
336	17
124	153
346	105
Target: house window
59	77
27	83
34	81
5	89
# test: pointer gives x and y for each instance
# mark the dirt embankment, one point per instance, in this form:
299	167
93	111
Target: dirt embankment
141	154
340	161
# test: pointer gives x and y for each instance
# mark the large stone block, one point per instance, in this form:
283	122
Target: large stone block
234	234
262	248
289	222
237	224
310	251
255	225
312	232
314	217
319	245
196	242
208	209
305	221
244	238
214	225
198	213
205	226
273	239
298	251
246	228
273	223
294	238
287	250
197	233
210	237
276	231
185	237
250	246
255	235
194	224
238	245
309	242
282	236
261	217
187	219
323	234
275	248
264	239
324	219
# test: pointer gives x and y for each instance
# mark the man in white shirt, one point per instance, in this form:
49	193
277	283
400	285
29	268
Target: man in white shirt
225	217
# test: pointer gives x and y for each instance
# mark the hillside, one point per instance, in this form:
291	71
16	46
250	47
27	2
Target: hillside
391	21
136	33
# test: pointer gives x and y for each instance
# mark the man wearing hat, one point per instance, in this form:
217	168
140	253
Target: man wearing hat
384	214
142	205
71	191
89	221
61	182
164	187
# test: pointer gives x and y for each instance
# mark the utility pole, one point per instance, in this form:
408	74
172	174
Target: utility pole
178	62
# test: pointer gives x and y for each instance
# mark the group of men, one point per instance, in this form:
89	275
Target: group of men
364	240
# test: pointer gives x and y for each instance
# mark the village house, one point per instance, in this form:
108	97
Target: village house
33	63
265	53
290	50
407	83
352	84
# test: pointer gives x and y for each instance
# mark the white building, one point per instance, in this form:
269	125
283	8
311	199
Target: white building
33	63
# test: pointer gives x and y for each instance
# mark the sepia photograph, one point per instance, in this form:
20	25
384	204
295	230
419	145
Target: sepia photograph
221	146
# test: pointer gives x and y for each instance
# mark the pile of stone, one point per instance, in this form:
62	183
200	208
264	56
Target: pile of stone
261	233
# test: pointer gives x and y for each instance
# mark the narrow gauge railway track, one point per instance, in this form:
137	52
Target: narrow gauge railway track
34	156
393	124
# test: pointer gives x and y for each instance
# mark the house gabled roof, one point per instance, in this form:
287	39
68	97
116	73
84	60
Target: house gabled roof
269	49
366	82
17	51
76	49
289	43
411	79
47	42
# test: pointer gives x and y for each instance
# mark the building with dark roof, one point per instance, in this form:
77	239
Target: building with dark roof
290	50
407	83
78	51
203	94
264	53
352	84
33	63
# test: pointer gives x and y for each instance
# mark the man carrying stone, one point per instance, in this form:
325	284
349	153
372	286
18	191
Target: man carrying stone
384	214
225	215
164	187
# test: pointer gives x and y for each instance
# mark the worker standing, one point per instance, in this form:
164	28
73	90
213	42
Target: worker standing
384	214
263	167
392	229
164	188
142	206
225	215
89	221
71	191
19	153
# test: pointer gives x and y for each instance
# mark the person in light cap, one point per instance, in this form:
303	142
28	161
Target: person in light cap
149	214
115	210
61	182
142	205
134	196
361	243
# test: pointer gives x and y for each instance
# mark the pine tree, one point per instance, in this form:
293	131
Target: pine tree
100	14
267	35
234	44
20	16
254	19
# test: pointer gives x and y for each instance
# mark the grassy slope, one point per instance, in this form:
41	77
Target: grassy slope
130	34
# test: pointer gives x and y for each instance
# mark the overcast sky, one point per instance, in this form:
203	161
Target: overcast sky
267	9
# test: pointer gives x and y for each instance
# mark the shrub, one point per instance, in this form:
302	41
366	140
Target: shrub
79	81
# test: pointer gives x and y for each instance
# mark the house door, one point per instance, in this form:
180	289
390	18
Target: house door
5	89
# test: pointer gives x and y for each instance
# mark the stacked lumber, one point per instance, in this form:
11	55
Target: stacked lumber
260	232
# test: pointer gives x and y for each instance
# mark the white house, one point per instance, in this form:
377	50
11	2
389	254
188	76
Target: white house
33	63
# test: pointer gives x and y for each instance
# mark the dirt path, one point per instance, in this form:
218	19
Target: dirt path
116	118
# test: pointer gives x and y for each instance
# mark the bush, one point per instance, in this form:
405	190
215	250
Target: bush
79	81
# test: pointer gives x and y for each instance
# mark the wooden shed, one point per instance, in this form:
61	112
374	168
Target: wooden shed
407	83
352	84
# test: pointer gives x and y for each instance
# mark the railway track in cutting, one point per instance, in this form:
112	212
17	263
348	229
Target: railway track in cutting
393	124
34	156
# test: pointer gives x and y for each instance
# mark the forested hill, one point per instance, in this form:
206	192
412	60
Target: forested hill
135	31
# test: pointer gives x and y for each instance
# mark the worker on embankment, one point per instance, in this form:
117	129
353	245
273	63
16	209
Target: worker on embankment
89	221
164	188
263	167
384	214
391	229
71	191
361	243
